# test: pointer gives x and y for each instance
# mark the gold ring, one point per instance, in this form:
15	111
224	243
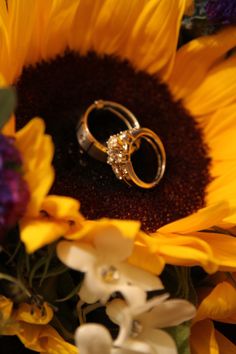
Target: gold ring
120	148
87	141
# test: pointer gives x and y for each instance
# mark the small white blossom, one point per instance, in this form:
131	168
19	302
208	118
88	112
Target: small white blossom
94	338
104	262
140	325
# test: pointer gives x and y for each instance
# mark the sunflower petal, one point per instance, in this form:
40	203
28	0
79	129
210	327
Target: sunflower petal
181	250
153	40
187	74
223	248
225	346
19	24
145	37
4	42
60	16
202	219
202	339
219	305
223	120
209	97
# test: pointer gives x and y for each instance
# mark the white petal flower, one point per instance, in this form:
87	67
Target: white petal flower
140	325
106	269
93	338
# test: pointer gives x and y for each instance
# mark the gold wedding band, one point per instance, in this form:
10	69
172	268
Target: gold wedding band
120	149
87	141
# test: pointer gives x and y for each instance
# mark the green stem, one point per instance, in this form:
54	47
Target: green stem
38	265
15	281
65	333
70	295
14	253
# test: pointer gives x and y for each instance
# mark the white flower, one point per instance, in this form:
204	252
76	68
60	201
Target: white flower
94	338
104	262
140	325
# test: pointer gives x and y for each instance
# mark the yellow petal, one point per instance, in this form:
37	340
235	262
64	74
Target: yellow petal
202	219
219	305
9	127
222	146
209	97
128	228
180	250
36	233
223	248
189	10
187	73
225	346
22	14
4	42
153	40
6	307
147	37
44	339
224	188
202	339
37	151
60	207
59	216
141	257
214	125
57	18
33	314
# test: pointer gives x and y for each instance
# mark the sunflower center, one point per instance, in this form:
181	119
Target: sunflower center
60	90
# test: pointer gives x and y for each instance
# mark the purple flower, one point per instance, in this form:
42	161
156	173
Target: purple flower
14	193
221	11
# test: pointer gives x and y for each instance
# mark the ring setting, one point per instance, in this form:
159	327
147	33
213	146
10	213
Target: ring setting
87	141
118	153
120	148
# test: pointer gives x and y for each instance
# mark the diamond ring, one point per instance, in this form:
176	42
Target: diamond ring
86	139
120	148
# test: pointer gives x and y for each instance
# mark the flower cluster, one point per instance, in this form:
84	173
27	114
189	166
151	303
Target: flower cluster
87	263
221	11
103	257
14	194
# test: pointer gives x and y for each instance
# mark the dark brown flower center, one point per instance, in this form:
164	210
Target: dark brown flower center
61	89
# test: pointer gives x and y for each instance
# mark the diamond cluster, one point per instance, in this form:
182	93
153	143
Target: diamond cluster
118	150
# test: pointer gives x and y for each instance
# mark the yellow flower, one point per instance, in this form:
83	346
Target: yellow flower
47	217
200	76
218	305
30	324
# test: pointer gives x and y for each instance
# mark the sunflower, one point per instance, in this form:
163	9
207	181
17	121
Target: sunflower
75	52
185	107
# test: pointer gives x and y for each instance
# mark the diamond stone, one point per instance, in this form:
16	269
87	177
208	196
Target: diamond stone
118	149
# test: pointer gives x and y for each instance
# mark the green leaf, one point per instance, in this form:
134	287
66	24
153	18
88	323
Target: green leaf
7	104
181	335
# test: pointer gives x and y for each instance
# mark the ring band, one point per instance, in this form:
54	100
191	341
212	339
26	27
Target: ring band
120	149
87	141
